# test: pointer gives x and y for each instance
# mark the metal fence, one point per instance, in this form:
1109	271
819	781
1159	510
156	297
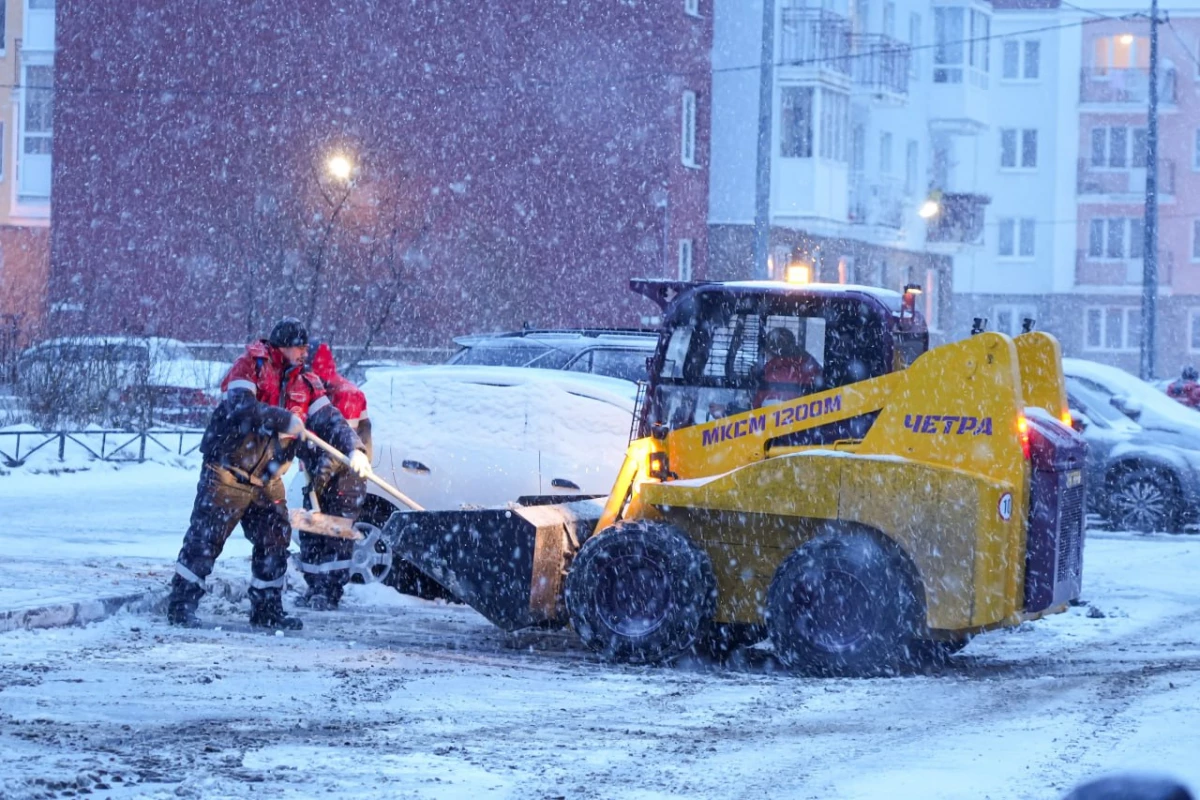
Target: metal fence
104	445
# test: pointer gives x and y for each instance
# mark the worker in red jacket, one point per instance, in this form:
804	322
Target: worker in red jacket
789	371
247	447
338	490
1186	390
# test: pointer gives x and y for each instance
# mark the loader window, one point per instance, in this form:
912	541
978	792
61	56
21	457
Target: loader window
730	353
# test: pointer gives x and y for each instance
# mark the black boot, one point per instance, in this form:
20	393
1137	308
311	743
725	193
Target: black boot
266	611
181	605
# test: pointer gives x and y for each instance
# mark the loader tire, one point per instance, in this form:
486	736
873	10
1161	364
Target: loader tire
845	604
640	592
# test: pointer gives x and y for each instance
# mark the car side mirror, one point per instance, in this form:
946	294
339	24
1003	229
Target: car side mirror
1127	406
1079	420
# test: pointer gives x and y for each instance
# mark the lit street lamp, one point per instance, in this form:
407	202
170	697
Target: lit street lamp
929	209
340	167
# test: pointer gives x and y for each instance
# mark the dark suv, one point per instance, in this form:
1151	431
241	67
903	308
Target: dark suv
614	352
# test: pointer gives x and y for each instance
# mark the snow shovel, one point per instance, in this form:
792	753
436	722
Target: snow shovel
340	527
371	476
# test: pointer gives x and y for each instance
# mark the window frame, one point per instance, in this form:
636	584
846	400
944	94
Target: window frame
1129	150
1021	46
1020	150
1128	230
691	8
803	144
1018	240
1125	313
685	262
1193	328
688	115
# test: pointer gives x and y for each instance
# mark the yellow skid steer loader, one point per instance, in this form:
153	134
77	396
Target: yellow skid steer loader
802	468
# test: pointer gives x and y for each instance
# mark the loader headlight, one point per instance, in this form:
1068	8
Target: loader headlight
660	466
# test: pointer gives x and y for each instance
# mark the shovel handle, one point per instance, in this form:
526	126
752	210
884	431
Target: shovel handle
371	476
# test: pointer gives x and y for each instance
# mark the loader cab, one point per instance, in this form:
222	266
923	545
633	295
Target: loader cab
729	347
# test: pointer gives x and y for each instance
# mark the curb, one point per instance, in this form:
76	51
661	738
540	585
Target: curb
68	614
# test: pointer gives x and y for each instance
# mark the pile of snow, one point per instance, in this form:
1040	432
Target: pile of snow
39	451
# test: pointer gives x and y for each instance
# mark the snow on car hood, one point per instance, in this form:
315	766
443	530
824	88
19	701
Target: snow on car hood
511	408
1158	410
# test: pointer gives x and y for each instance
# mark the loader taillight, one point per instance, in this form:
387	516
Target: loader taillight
1066	418
1023	432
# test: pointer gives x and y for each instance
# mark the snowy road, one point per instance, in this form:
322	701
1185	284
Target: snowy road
407	699
394	697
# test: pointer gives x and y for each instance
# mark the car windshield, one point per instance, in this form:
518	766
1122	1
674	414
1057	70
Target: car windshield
624	363
515	355
1084	396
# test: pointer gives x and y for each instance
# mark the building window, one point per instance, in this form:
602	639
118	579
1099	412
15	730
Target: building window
688	133
796	122
948	44
1121	52
1010	319
914	42
889	19
2	143
910	169
835	121
1022	60
1018	148
1196	240
1112	328
685	259
1196	152
981	35
1194	330
1120	147
885	153
3	31
691	7
1017	238
1115	238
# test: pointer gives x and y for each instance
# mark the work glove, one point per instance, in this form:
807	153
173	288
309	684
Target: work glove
360	465
295	428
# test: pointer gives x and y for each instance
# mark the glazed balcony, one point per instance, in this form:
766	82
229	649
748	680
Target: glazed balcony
1122	184
815	41
881	66
1124	86
960	220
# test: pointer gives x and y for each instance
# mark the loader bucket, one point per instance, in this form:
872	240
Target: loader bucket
507	564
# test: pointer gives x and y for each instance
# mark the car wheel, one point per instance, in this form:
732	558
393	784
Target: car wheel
1143	500
403	576
845	604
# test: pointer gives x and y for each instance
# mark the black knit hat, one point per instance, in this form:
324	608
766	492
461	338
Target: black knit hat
289	332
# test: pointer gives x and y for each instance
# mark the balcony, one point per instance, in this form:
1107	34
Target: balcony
816	41
881	66
1122	185
879	203
1127	272
960	221
1126	86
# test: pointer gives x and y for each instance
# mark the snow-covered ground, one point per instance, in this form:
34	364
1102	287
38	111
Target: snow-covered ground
393	697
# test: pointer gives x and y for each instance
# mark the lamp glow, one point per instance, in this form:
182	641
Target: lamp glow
340	167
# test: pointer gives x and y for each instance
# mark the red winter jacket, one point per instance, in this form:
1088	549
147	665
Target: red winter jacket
1186	392
261	394
347	398
785	376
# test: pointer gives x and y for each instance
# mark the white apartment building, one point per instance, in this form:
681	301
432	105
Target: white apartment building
1025	119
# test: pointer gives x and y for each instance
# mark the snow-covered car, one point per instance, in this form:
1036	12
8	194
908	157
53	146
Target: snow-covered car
1145	479
613	352
125	380
453	437
1136	399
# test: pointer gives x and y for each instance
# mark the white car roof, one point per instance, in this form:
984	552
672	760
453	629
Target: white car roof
615	391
